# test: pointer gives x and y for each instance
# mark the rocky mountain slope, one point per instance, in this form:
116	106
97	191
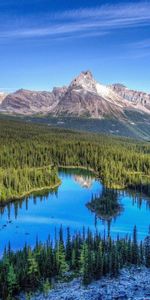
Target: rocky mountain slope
84	97
140	100
31	102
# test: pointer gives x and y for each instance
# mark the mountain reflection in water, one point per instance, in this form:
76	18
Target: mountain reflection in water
39	215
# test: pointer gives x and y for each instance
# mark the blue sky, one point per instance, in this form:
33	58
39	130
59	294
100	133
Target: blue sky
45	43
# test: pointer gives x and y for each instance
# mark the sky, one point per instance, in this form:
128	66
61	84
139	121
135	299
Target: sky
46	43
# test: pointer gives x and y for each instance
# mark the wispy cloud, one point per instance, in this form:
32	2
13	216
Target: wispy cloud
137	49
143	44
130	10
53	30
85	22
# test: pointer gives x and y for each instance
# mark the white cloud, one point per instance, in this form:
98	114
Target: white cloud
85	22
130	10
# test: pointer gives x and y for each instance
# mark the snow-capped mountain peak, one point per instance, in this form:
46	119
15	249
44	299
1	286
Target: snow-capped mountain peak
84	81
83	97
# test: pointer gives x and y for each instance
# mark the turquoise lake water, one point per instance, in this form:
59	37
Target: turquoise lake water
40	216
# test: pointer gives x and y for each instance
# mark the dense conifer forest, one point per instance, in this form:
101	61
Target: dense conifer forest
30	155
87	255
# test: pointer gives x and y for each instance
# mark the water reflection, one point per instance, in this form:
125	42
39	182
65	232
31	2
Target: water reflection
137	198
84	181
15	206
38	215
106	206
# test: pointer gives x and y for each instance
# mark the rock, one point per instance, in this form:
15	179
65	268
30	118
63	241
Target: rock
136	287
121	295
131	284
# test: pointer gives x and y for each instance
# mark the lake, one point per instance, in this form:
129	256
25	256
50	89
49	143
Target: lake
41	215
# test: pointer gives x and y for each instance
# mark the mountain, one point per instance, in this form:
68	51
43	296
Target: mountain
140	100
111	109
31	102
88	98
84	97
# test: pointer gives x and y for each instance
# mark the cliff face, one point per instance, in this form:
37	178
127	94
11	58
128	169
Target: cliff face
140	100
85	97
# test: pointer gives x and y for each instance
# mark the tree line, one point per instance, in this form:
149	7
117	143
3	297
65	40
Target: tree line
28	150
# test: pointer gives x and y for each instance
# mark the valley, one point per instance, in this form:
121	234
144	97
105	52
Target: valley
108	208
74	150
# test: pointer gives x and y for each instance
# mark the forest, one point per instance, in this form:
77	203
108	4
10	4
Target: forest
84	254
31	153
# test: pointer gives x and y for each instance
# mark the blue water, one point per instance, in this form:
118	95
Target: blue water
41	216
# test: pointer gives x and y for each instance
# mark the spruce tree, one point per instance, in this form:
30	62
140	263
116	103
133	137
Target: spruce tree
61	260
33	270
11	280
68	246
86	264
135	252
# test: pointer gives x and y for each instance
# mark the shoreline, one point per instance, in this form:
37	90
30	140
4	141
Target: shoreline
51	187
115	186
45	188
26	194
79	167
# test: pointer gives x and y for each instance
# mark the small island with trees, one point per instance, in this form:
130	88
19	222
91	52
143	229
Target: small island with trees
30	155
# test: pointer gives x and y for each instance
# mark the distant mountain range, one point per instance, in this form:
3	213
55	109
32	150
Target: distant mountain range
87	99
84	97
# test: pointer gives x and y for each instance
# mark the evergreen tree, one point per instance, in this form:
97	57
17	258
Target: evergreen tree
46	287
135	253
98	262
86	264
33	270
61	260
11	280
68	246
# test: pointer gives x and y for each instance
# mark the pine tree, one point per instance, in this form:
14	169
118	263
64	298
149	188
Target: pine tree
68	247
129	251
11	280
86	264
98	262
61	260
46	287
135	252
33	270
114	261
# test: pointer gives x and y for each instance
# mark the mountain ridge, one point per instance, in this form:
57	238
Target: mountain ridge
84	97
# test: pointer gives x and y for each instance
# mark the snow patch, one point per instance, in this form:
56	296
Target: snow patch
102	90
